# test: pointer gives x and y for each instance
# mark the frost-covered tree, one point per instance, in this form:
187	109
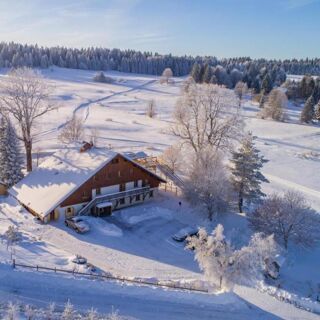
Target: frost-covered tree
12	235
289	218
213	254
151	109
207	115
276	105
29	312
246	164
266	84
317	111
92	315
12	311
207	183
225	266
73	131
167	74
25	97
196	73
171	157
240	90
10	157
307	113
68	312
50	312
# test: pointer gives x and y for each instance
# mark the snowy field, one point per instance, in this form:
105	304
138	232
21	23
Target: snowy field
136	242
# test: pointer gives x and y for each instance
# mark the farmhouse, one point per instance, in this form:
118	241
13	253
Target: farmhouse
87	181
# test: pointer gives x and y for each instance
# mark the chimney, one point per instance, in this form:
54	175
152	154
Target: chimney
86	146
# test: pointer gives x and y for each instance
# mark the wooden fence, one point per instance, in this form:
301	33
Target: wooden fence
93	276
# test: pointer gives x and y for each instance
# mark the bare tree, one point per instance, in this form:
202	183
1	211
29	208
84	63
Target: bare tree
289	218
207	184
276	105
151	109
167	74
94	136
240	90
26	97
207	115
172	157
73	131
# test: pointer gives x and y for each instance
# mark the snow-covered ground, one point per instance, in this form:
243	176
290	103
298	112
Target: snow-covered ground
137	242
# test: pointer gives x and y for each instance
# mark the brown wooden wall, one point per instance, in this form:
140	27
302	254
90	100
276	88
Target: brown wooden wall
108	176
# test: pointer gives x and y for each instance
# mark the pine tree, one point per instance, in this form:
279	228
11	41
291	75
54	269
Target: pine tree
246	176
196	72
207	75
266	84
10	157
307	113
317	111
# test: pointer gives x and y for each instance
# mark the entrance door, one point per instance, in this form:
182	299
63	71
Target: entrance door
104	212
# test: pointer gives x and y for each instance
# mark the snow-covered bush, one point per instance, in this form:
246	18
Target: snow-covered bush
12	311
167	75
12	235
289	218
68	312
101	77
223	266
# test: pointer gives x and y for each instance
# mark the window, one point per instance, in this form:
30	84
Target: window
138	197
122	187
122	201
151	194
98	191
69	210
145	183
135	184
114	161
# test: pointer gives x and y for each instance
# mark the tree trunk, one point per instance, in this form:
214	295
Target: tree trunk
28	147
220	284
240	202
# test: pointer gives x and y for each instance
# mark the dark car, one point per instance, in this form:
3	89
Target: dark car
184	233
78	224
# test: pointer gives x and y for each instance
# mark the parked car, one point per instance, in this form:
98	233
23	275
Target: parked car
79	259
184	233
78	224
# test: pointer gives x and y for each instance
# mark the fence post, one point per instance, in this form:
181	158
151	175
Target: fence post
37	268
13	263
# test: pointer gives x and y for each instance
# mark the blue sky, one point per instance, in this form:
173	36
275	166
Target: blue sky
224	28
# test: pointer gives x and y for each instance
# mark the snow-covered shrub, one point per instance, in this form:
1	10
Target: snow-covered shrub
101	77
29	312
12	235
68	313
289	218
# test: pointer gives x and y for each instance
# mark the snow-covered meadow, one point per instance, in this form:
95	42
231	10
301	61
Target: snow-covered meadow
136	242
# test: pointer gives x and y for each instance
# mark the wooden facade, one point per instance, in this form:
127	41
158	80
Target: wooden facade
118	171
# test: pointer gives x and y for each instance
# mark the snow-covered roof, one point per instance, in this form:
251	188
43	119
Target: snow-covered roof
43	189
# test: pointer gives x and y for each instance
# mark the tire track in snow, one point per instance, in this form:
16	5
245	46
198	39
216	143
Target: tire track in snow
87	104
294	185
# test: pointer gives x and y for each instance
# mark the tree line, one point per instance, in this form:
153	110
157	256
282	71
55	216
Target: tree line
227	71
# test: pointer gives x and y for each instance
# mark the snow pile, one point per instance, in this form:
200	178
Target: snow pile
283	295
146	214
